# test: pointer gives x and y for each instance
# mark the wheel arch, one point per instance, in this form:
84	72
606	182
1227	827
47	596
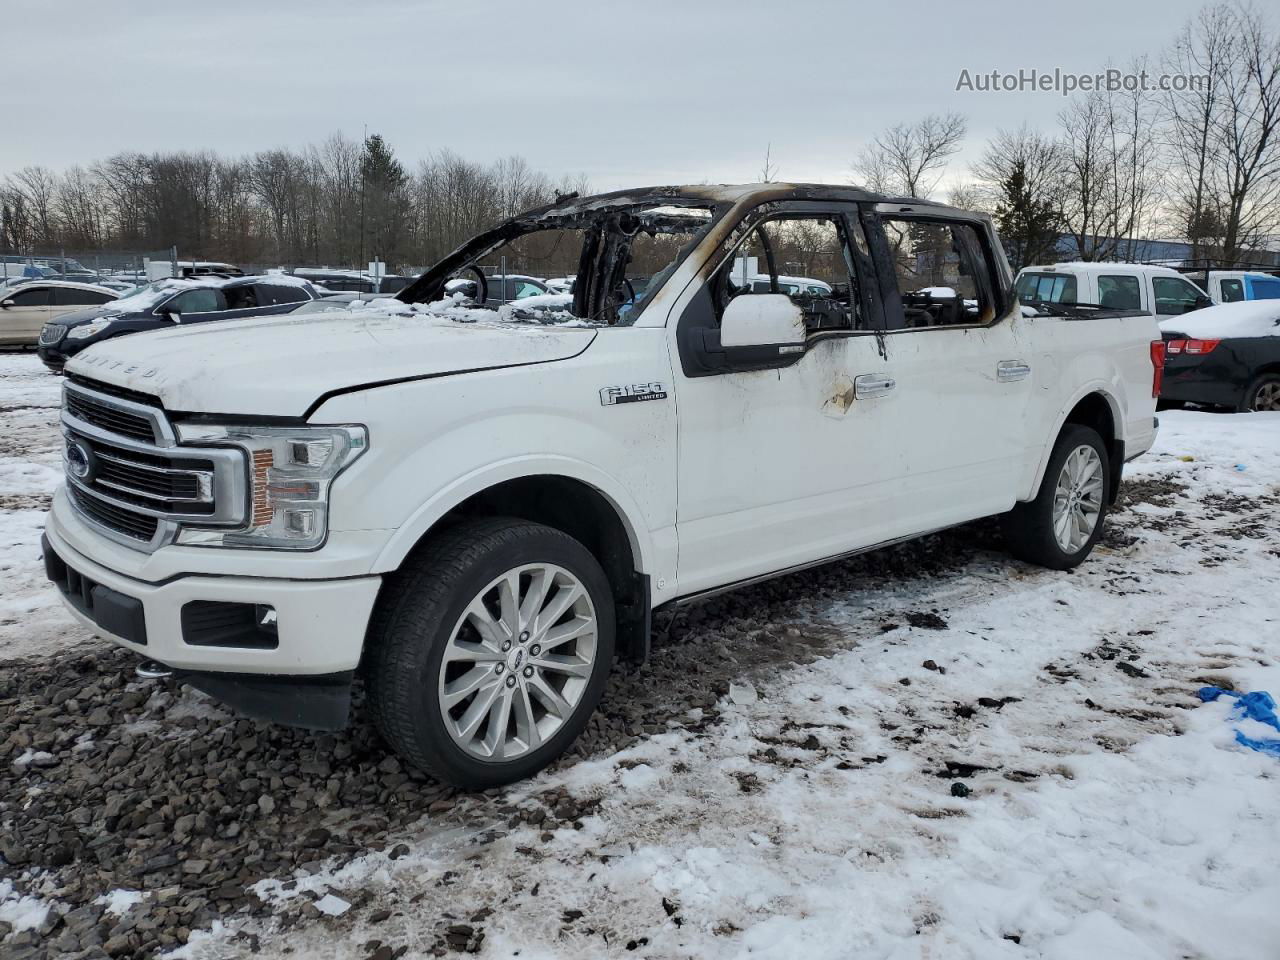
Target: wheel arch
1095	407
563	495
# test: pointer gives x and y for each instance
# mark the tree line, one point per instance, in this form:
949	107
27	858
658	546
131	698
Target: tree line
1199	164
340	203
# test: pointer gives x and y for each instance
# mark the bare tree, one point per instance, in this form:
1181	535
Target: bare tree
1205	47
1248	139
910	158
1110	169
1020	177
38	187
769	171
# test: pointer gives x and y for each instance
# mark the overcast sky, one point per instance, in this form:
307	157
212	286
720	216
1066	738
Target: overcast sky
650	91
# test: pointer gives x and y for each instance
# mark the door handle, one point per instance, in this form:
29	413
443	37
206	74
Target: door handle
872	385
1008	370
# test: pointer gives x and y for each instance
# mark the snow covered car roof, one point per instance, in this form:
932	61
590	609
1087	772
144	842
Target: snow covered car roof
156	293
69	285
1246	318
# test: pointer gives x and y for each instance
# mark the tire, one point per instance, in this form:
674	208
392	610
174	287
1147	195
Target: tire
425	638
1029	528
1263	394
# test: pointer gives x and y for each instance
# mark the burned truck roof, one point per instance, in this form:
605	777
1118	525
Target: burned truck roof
572	211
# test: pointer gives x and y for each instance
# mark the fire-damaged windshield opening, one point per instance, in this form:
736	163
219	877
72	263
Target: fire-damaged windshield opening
617	253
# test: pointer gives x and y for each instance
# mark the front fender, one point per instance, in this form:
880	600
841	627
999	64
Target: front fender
439	504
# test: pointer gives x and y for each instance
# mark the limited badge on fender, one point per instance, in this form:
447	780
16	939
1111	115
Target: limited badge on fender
632	393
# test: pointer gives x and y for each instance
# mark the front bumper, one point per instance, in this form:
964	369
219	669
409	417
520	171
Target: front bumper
319	624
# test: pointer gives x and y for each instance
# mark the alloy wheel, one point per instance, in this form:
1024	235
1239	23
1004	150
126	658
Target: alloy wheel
1077	499
518	662
1267	396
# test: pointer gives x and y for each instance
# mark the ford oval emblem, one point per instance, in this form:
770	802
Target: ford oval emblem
79	460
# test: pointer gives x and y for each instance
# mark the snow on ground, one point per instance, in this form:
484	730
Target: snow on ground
31	618
999	762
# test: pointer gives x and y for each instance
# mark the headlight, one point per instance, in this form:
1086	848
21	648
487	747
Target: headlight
88	330
290	472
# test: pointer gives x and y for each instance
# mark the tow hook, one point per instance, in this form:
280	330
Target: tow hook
150	670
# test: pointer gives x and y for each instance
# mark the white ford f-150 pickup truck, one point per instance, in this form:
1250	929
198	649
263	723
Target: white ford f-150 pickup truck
475	506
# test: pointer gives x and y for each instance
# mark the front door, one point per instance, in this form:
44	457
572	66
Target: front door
781	467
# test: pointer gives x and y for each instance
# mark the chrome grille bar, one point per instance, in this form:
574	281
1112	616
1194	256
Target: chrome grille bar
130	476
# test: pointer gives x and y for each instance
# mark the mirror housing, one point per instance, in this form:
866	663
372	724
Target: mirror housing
1201	302
762	320
758	331
6	304
168	313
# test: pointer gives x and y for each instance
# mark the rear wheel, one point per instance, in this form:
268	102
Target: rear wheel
1060	526
1263	394
490	650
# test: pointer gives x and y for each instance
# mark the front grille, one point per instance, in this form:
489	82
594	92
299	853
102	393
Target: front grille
111	418
167	484
135	525
127	473
51	333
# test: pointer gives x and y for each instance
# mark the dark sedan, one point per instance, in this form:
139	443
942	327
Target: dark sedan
1224	356
159	305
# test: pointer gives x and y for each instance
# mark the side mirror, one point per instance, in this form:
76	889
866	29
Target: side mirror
1201	303
763	320
6	304
758	331
169	313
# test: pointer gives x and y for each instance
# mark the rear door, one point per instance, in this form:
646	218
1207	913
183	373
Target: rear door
956	351
70	299
23	312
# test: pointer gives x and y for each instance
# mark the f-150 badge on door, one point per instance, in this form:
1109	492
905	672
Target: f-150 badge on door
632	393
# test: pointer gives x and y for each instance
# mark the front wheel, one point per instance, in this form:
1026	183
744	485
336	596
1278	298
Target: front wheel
1060	526
490	650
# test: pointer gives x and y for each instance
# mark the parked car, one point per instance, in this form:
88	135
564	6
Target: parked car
353	281
26	309
112	283
1162	291
481	513
162	304
335	301
792	286
561	284
1232	286
1224	356
500	289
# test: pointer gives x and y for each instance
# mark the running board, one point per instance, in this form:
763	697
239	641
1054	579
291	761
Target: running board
799	567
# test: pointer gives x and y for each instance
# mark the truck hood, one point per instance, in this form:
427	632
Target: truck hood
279	366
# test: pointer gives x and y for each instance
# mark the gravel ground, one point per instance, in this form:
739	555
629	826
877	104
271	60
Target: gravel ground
149	786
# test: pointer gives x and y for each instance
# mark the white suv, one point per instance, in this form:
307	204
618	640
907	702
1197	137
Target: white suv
478	508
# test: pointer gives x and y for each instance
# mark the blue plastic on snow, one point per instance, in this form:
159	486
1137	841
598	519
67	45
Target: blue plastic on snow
1253	706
